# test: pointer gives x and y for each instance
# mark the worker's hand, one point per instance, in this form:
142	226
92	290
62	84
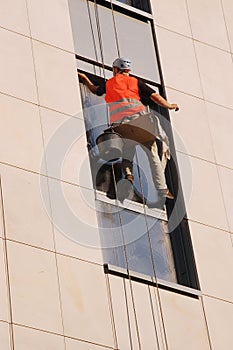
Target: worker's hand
81	76
174	106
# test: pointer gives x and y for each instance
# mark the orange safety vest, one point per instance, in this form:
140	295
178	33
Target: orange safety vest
122	97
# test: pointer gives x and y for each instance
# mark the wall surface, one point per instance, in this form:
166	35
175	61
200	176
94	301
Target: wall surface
195	42
53	291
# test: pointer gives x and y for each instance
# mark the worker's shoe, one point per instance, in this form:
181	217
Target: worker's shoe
166	193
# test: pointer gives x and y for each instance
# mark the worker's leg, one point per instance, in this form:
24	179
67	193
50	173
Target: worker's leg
155	165
129	150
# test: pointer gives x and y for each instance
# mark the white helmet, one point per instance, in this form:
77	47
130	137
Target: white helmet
122	63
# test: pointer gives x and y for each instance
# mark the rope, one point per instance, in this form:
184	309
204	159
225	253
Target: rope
125	252
147	227
115	30
99	37
115	185
92	32
127	264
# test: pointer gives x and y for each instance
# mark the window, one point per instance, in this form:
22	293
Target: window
135	229
101	34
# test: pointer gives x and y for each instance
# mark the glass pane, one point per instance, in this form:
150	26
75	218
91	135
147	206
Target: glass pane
111	234
108	37
135	234
90	68
86	42
104	172
126	242
162	250
136	43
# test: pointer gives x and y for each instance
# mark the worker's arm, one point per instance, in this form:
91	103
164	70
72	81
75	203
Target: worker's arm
162	102
87	82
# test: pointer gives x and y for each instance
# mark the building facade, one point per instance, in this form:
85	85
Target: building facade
86	262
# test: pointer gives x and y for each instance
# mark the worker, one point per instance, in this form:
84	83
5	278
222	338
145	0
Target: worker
130	118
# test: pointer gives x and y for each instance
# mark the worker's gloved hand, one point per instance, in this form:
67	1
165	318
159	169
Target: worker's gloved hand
174	106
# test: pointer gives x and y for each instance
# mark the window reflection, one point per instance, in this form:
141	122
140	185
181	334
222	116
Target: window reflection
83	21
139	35
135	242
161	250
112	240
108	35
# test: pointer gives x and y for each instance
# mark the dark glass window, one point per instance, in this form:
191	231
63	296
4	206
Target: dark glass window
139	4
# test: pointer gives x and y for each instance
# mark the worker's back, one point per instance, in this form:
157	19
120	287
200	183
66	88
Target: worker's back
122	96
121	86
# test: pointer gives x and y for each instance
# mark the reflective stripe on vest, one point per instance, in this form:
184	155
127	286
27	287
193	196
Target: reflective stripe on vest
124	108
122	96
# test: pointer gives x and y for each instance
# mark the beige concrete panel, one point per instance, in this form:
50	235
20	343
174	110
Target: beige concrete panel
74	213
2	229
172	15
13	16
4	303
228	14
25	213
68	246
28	339
221	126
134	329
67	134
21	141
50	23
72	344
219	315
178	62
207	22
216	71
34	288
84	301
184	322
190	126
202	191
147	329
119	304
5	336
226	176
57	79
214	258
16	66
160	331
